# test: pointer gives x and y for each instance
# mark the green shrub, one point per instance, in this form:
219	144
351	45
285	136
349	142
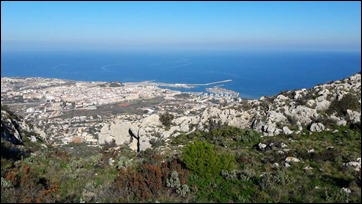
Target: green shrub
349	101
202	159
249	136
212	124
166	119
174	182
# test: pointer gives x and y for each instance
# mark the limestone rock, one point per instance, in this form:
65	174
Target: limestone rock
275	165
304	114
354	116
270	129
355	164
311	103
33	138
291	159
341	122
262	146
287	131
11	128
317	127
322	105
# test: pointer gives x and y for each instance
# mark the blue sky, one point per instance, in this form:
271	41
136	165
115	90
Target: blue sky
58	26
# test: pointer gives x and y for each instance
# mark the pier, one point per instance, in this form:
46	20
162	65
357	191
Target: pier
182	85
211	83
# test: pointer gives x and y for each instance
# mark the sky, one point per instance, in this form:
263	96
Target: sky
101	26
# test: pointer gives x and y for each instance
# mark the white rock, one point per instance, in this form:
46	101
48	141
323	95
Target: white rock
303	114
110	161
354	116
324	92
311	103
298	94
291	159
330	147
282	97
322	105
33	138
261	146
280	152
317	127
308	168
355	164
287	131
341	122
346	190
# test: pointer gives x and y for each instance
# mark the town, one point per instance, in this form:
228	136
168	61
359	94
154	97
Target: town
76	111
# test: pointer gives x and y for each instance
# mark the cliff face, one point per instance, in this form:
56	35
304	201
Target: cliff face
11	127
314	109
15	130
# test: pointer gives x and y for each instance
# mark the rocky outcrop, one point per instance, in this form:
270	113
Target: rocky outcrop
11	127
184	122
227	116
118	131
303	114
270	115
303	107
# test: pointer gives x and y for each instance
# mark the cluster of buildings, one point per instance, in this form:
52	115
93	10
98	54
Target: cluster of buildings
69	110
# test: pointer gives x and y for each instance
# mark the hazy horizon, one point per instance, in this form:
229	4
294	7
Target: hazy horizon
180	26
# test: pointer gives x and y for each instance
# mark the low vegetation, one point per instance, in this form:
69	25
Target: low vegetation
340	107
166	119
202	159
223	164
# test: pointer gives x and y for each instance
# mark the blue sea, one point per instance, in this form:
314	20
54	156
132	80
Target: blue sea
253	74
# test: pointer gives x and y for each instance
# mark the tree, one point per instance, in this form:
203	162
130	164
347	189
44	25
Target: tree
136	137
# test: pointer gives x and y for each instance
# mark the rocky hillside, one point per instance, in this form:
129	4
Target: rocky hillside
322	107
15	133
314	159
11	127
14	129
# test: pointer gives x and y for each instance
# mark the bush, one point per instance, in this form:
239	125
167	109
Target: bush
249	136
30	185
202	159
166	119
291	119
212	124
150	181
349	101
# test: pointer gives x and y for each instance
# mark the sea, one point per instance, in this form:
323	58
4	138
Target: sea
253	74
